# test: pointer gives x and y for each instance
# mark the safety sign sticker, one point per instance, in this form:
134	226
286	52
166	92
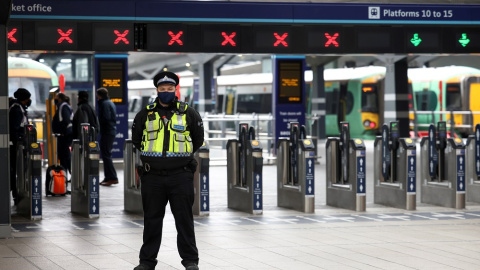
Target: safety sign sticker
460	171
94	195
411	172
204	193
36	196
310	177
257	192
361	183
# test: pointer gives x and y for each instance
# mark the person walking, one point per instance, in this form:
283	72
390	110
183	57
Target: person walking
62	125
17	116
107	116
84	114
167	132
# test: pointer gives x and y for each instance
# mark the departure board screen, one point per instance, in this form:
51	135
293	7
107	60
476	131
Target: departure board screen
290	81
111	75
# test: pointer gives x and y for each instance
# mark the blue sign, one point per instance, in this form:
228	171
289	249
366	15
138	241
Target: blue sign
288	94
460	171
361	180
36	188
386	157
432	152
411	172
204	193
477	149
310	177
94	203
257	192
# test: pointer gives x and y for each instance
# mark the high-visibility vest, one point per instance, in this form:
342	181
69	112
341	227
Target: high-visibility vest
155	140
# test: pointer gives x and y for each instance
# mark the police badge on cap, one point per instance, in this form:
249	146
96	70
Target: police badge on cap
165	77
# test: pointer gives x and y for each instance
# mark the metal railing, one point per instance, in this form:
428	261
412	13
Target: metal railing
466	126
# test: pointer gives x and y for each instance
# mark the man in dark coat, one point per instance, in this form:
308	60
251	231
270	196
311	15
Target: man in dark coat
85	114
17	119
62	124
107	116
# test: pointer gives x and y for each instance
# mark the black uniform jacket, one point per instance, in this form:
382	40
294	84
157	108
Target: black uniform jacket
194	125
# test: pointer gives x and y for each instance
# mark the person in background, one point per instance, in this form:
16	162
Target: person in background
107	116
84	114
17	116
167	132
62	125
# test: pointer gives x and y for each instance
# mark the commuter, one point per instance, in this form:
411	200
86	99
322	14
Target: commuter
62	125
84	114
107	116
167	132
17	117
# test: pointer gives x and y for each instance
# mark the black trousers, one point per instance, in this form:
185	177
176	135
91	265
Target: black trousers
13	171
157	191
64	154
106	145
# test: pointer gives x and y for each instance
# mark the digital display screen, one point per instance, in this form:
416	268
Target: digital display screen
467	41
113	37
168	37
111	75
14	36
273	38
290	81
56	36
223	38
371	40
420	40
325	39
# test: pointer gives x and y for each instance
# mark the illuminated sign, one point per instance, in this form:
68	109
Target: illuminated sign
113	37
331	40
168	38
422	40
290	82
111	74
222	38
10	34
273	38
175	38
56	36
467	40
14	36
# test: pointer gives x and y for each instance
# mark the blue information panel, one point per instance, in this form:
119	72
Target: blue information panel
310	177
111	73
257	192
432	152
361	183
460	170
94	203
204	193
411	172
36	187
477	149
288	94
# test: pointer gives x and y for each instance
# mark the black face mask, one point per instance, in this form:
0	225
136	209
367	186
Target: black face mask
29	103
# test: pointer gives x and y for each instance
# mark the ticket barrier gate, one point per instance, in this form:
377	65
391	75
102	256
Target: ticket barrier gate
295	171
345	168
244	172
395	169
85	174
441	184
473	166
201	180
132	201
29	176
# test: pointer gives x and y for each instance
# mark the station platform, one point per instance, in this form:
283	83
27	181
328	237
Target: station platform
430	237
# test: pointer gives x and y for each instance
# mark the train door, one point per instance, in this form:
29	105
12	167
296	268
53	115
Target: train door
335	106
472	97
453	102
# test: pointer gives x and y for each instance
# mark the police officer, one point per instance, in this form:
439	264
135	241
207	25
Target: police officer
17	119
167	132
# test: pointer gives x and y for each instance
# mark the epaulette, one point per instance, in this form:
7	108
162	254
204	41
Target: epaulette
151	106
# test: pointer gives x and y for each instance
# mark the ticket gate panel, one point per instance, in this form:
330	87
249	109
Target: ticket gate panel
132	185
201	203
473	164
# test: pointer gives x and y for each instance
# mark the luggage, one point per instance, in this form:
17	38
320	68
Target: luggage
56	178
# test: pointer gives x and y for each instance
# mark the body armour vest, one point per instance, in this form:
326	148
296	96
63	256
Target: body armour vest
164	137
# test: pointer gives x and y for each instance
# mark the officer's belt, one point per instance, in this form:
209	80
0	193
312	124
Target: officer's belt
148	169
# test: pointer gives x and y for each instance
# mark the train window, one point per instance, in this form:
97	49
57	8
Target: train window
254	103
369	98
426	100
350	102
219	104
454	98
331	103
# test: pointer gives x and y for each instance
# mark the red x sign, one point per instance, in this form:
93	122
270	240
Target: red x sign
280	39
175	38
64	36
121	37
10	35
331	40
229	39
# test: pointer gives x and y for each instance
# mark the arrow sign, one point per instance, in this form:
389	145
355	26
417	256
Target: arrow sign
204	206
